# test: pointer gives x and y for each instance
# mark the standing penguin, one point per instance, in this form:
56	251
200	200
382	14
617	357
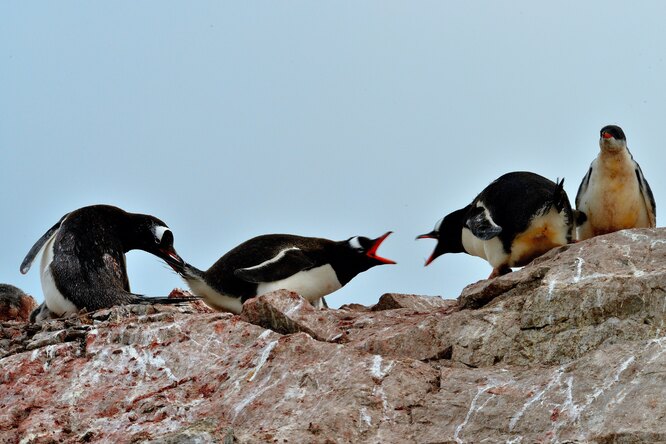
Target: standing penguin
311	267
83	262
614	194
515	219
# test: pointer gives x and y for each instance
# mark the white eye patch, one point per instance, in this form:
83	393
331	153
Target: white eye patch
159	232
355	243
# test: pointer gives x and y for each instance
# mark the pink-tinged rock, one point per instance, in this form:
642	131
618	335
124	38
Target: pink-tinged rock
146	378
286	312
569	349
391	332
393	301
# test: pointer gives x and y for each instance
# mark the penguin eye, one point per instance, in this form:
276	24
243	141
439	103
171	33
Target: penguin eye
158	232
355	244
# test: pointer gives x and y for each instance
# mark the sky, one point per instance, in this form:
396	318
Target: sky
228	120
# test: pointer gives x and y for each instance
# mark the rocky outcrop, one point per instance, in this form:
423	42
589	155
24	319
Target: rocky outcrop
569	349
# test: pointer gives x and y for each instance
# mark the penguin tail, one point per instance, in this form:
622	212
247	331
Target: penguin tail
560	199
167	300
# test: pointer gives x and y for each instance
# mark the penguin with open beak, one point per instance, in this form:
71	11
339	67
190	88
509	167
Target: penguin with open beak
515	219
312	267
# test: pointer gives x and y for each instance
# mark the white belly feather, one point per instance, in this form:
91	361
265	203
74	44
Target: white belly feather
312	284
54	300
490	250
212	297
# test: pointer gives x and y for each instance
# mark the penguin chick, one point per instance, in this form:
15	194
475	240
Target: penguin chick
614	194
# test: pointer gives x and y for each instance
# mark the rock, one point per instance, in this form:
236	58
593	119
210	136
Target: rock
15	305
570	301
392	301
286	312
355	307
569	349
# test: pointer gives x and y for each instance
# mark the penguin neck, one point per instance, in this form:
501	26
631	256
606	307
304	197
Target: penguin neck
614	162
132	232
348	263
451	232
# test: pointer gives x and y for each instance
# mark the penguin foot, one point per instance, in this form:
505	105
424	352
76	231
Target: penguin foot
41	314
500	271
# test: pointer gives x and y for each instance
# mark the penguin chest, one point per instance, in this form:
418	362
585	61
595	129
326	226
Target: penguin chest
544	233
491	250
55	301
613	200
312	284
214	298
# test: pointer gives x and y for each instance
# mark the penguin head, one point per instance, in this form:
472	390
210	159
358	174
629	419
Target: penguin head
612	139
364	251
448	233
153	236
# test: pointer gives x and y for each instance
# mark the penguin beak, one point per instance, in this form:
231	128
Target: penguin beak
606	135
172	259
430	259
372	252
431	235
435	254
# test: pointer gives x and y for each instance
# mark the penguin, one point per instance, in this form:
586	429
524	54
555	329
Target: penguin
312	267
515	219
83	260
614	194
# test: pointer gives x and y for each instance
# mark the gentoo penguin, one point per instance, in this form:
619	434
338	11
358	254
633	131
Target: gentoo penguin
311	267
614	194
83	262
513	220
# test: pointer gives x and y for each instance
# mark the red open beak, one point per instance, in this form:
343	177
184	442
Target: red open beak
372	252
606	135
430	259
431	235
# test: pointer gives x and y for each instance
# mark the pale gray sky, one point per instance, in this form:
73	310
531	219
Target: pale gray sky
233	119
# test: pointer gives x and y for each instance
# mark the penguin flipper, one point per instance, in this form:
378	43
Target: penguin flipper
27	262
582	188
286	263
481	224
648	197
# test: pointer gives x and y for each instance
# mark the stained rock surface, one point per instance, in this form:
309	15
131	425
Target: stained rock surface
571	348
